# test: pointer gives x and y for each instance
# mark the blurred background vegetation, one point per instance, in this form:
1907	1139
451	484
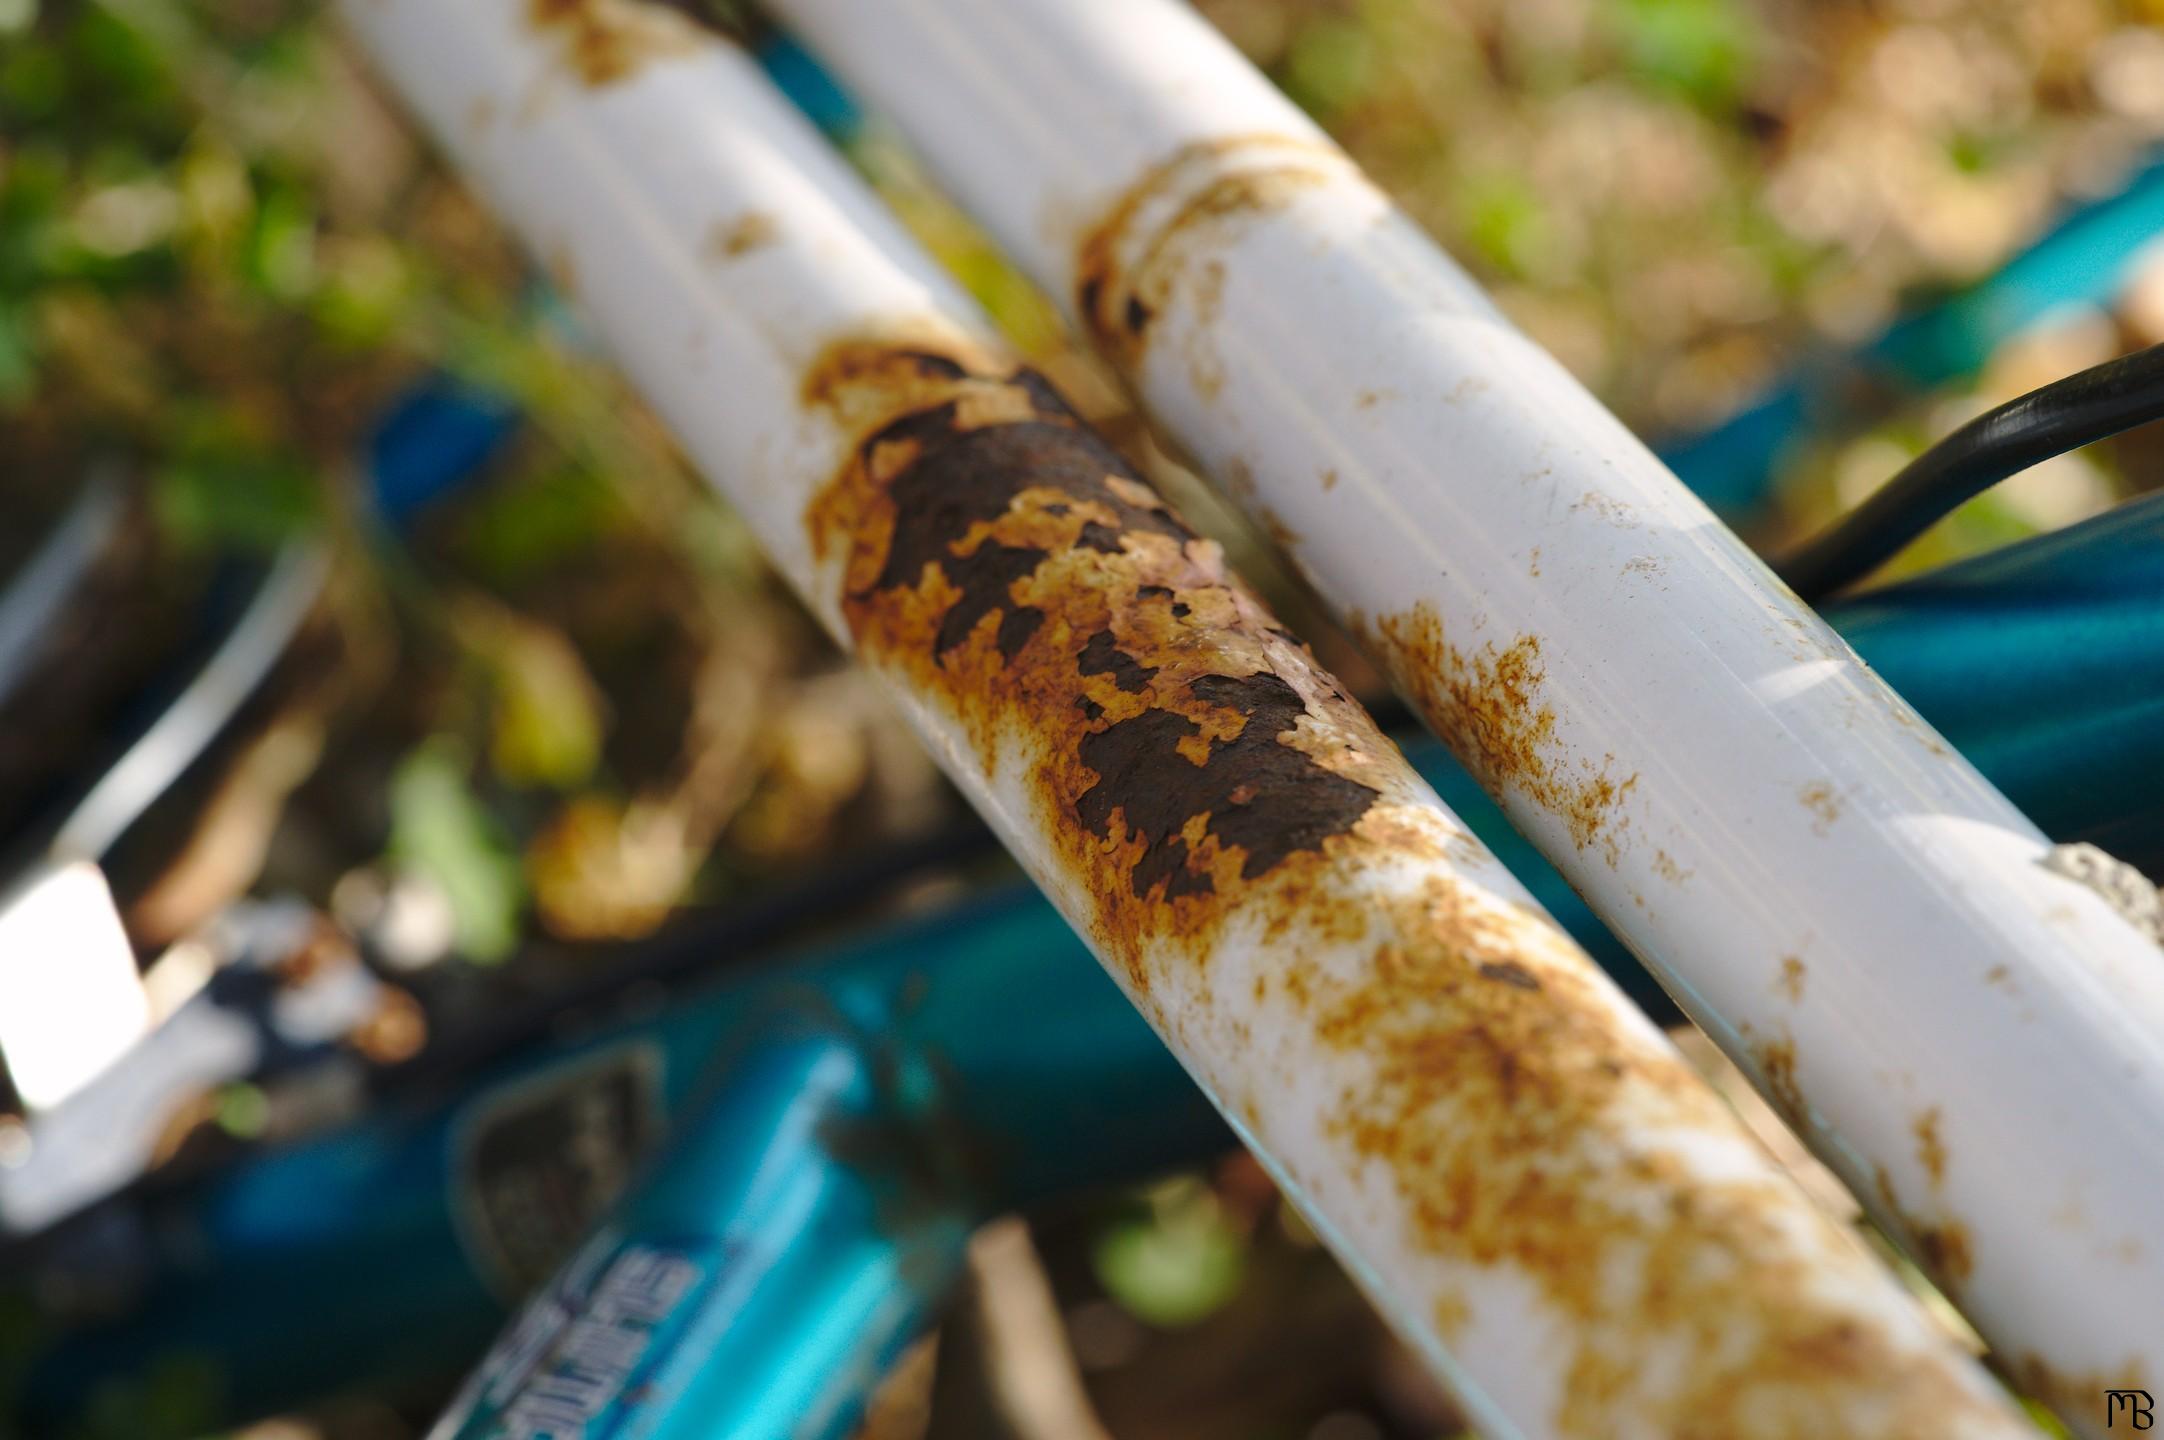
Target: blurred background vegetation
572	700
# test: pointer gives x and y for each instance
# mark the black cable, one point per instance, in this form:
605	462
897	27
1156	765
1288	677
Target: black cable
2064	415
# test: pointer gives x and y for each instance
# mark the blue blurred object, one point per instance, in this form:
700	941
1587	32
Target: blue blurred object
805	81
438	436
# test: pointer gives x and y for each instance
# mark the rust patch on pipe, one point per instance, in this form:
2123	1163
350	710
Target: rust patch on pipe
1930	1149
752	230
1487	708
1129	266
1777	1062
1939	1244
1521	1169
607	41
1823	801
1792	976
1012	563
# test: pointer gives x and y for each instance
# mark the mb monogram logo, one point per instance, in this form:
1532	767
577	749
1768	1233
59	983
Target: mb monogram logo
2135	1405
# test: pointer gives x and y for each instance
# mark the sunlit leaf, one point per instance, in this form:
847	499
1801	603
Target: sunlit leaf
1176	1263
441	828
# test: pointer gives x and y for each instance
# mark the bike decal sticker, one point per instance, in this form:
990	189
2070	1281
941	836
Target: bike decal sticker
538	1161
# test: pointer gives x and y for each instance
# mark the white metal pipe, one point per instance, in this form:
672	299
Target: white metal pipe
1518	1167
1975	1043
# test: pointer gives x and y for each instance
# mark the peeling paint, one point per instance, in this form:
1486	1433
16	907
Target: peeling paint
1162	233
1487	707
1495	1178
1009	560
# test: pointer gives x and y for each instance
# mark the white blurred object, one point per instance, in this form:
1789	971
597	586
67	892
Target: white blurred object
70	1000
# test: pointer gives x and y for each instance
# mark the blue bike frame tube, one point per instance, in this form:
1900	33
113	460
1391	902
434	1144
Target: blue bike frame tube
795	1233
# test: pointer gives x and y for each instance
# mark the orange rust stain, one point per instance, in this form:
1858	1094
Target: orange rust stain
1498	1105
1823	801
1930	1148
1792	973
1181	745
1487	708
1665	866
1939	1244
1942	1248
1214	193
1329	479
607	41
752	230
1777	1062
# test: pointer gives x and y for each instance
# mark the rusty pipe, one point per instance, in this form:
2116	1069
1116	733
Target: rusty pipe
1517	1167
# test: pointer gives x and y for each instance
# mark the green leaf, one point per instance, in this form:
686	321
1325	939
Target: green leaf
1177	1263
1330	65
1505	221
18	359
536	520
547	720
1702	49
439	828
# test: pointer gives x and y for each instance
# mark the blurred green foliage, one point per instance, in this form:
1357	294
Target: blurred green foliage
439	827
1172	1258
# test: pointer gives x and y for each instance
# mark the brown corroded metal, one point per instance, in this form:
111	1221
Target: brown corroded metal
1200	780
1488	707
